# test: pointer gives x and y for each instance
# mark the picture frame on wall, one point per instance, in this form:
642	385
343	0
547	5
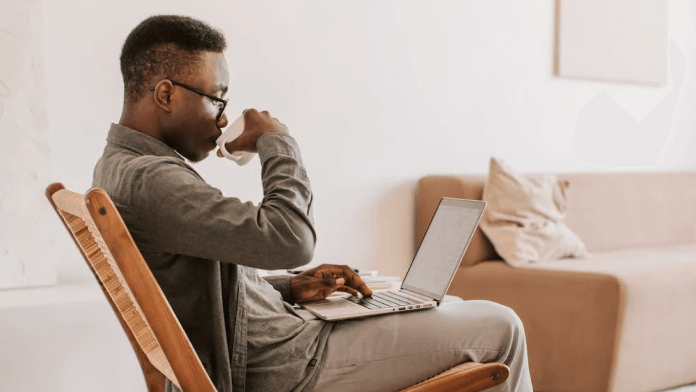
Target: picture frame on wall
612	40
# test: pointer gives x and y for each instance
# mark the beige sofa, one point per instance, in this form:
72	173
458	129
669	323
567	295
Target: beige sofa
623	319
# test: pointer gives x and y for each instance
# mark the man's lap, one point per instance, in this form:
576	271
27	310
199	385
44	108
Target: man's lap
392	352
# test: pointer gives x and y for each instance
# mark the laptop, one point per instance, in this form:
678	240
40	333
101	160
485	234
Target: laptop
430	273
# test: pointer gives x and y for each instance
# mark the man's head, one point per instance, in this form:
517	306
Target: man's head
175	77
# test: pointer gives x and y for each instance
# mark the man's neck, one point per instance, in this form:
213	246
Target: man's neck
134	117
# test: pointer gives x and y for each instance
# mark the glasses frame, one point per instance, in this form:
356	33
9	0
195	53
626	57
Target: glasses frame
203	93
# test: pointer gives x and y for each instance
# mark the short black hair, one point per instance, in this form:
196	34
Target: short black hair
165	46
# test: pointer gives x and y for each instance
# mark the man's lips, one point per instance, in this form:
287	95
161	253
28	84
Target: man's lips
213	143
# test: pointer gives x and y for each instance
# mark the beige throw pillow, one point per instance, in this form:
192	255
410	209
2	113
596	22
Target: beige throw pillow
525	217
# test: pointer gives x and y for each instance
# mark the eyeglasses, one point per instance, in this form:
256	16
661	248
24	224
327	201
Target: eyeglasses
221	104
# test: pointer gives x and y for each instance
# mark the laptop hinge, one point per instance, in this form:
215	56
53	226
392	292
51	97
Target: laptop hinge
420	296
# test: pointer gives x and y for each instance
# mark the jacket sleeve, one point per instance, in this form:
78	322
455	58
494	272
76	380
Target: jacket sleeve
183	214
282	284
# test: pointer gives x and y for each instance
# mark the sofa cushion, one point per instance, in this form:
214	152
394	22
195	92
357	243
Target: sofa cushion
655	342
620	321
524	218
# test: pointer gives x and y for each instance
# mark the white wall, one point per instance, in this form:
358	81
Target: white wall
71	347
378	94
26	240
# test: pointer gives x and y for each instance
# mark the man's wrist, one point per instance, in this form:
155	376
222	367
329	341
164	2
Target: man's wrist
291	293
282	284
277	143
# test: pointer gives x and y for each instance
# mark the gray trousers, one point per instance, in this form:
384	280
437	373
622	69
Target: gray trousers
392	352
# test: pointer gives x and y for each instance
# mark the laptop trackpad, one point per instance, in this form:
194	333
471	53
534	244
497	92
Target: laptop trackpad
334	307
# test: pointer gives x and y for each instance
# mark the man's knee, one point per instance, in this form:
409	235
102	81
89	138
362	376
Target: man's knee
505	317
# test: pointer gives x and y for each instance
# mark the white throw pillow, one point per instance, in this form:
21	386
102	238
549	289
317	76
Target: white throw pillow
525	217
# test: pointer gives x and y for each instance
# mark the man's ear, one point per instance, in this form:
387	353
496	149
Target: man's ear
163	95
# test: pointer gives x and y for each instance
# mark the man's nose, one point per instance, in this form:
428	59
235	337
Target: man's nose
222	122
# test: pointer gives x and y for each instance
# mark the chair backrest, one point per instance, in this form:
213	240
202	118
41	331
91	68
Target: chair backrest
160	343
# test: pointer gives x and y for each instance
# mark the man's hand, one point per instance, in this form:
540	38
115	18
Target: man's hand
255	125
320	282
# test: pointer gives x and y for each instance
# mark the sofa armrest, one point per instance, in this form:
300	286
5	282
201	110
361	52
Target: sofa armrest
570	319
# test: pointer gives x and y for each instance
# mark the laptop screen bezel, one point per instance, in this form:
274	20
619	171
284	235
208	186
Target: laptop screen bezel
465	203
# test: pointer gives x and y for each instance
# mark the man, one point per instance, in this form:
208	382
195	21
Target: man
205	249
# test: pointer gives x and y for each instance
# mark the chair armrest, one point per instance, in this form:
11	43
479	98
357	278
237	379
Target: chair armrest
467	377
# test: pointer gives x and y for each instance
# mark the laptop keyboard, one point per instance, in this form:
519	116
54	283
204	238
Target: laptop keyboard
386	299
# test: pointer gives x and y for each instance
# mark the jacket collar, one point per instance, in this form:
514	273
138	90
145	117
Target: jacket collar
139	142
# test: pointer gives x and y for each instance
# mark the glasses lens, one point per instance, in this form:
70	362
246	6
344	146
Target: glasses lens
221	109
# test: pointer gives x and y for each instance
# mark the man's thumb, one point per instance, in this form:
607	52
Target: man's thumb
340	281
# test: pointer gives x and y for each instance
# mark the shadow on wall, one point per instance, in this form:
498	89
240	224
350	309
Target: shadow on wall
606	135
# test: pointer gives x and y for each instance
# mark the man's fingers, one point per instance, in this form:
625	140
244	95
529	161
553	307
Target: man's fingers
324	287
355	281
365	290
311	285
228	146
340	282
330	271
330	284
325	274
348	290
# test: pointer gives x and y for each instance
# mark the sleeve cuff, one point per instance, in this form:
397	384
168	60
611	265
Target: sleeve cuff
277	143
282	284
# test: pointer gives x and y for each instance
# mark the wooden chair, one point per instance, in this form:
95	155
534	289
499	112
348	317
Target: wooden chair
159	342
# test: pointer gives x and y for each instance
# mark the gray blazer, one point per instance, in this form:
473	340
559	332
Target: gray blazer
193	238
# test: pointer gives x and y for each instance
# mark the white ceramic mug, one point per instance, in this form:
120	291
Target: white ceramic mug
232	132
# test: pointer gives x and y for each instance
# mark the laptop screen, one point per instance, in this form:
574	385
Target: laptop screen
443	247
